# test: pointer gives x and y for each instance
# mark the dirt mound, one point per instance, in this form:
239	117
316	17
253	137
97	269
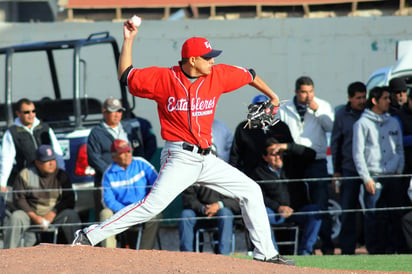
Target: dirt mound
85	259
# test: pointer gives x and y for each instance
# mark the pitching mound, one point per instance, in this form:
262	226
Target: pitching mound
86	259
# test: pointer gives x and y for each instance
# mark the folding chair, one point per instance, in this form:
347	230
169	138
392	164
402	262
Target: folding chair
200	239
38	231
139	229
287	234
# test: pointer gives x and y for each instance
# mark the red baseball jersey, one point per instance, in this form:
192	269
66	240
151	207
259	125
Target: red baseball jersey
186	110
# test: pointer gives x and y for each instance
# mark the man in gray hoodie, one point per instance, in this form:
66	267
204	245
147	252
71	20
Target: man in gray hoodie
378	151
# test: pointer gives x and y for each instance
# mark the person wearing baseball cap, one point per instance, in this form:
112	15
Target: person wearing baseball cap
259	99
43	196
140	176
186	95
113	105
137	131
247	144
199	47
45	153
398	90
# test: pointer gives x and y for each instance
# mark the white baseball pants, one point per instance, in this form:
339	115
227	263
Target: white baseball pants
180	169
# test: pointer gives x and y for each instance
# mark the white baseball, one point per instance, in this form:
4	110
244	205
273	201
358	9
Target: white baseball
136	20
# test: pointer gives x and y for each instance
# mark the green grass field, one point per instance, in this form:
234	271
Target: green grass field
354	262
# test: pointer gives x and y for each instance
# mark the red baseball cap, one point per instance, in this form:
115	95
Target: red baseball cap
198	46
120	146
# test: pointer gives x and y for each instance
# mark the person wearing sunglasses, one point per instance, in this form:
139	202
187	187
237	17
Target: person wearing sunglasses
21	140
398	94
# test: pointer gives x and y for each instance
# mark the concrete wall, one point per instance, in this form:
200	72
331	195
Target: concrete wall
333	51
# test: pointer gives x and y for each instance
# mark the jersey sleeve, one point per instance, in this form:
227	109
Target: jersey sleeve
231	77
144	82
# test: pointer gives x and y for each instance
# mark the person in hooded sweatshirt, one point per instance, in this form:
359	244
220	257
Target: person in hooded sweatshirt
378	153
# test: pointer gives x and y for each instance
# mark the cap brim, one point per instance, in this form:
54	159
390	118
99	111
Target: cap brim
115	109
123	150
212	54
46	159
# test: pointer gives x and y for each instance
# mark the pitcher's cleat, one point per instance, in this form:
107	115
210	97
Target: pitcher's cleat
279	259
80	238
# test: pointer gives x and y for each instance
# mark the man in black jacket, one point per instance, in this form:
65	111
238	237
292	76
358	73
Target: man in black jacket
405	116
248	143
217	210
280	198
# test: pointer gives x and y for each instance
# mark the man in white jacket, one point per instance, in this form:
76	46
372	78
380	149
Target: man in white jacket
378	151
310	119
22	139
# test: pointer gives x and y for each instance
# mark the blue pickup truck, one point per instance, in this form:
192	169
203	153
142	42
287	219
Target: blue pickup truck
65	70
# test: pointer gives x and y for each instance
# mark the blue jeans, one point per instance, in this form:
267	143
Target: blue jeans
349	200
309	225
189	224
2	209
319	195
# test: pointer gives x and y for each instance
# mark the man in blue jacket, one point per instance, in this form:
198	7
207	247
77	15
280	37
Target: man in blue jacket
126	181
136	131
343	165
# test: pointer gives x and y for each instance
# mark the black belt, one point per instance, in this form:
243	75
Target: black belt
201	151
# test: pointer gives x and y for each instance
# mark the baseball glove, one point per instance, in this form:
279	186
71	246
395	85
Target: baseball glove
262	115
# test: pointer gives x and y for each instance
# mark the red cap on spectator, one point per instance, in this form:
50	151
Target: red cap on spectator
120	146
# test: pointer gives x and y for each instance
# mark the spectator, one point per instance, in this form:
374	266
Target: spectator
405	117
43	196
377	150
127	180
310	119
200	201
222	139
277	196
407	221
248	143
343	165
101	137
398	94
21	140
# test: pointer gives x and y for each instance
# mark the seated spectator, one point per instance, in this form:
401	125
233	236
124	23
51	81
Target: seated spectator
248	142
128	180
54	205
200	201
277	195
137	131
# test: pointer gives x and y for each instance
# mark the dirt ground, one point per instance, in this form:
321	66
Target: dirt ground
48	258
